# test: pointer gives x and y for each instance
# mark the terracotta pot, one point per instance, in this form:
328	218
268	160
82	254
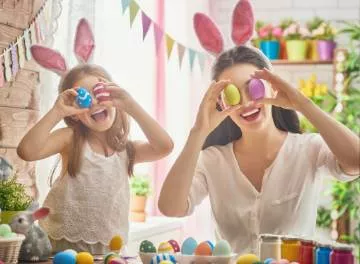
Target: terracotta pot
137	217
283	54
6	216
137	203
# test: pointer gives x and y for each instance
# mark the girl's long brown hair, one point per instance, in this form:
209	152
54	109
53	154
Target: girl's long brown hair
117	135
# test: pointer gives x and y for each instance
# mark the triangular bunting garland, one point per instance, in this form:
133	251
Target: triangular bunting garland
158	37
14	60
134	9
192	54
169	45
201	58
125	5
27	41
21	50
146	22
181	52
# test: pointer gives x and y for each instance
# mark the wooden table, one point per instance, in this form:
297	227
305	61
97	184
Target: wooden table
132	261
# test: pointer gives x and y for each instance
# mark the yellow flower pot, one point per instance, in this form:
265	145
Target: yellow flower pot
313	50
296	50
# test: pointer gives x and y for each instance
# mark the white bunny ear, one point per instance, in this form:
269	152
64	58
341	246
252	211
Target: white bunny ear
84	41
242	22
49	59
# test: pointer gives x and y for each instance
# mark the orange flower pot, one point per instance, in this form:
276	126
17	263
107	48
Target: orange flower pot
137	208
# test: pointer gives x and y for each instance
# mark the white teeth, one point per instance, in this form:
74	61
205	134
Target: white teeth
250	112
98	111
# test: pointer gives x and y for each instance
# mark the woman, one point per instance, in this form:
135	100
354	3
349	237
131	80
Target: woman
259	171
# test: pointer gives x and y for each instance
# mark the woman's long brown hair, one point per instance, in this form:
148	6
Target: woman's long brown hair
117	135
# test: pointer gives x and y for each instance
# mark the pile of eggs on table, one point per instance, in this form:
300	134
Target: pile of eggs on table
165	254
70	256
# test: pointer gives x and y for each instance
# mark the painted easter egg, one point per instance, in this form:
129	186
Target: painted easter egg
203	249
256	89
231	95
222	248
269	260
117	261
71	251
10	235
283	261
64	258
247	259
211	245
5	229
84	258
147	247
165	247
166	262
100	92
83	98
109	256
116	243
188	247
174	245
161	257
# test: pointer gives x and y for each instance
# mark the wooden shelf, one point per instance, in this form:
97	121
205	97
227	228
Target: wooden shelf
304	62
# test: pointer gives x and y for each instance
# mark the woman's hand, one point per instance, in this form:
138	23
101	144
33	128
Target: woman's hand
208	117
286	96
65	104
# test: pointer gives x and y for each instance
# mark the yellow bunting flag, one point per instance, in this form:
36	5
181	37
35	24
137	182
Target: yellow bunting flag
134	9
169	45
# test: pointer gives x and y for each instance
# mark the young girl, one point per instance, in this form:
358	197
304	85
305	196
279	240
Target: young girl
258	170
89	202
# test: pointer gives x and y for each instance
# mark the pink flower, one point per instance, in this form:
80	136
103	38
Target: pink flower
304	32
263	32
277	32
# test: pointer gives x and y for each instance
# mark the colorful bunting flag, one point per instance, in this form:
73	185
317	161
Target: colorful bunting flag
33	34
2	81
181	52
125	4
146	22
27	41
14	60
21	51
7	63
158	37
192	55
134	9
201	58
169	45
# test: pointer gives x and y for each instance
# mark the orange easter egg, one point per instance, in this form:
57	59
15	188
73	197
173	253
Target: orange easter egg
116	243
203	249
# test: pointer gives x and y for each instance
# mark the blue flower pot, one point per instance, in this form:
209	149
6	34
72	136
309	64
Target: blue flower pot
270	48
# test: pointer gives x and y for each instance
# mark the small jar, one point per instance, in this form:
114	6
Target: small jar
270	247
323	253
290	248
314	251
306	251
342	254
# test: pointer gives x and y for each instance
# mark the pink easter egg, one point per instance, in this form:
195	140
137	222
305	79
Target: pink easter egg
100	92
256	89
283	261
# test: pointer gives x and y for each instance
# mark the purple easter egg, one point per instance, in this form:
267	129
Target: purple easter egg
256	89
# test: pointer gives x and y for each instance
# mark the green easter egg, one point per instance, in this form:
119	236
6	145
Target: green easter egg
10	235
147	247
231	95
5	229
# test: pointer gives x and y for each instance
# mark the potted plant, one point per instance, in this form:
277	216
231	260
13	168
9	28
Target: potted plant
312	25
285	23
269	40
13	199
256	40
296	36
325	35
140	190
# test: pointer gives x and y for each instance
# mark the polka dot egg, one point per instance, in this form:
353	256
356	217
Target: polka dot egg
64	257
174	245
165	247
163	257
203	249
84	258
147	247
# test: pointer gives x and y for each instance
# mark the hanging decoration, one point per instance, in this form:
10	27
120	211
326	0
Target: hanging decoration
160	35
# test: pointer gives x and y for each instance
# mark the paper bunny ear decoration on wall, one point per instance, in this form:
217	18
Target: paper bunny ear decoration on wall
83	48
242	28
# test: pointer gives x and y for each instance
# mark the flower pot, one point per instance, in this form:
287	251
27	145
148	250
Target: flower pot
270	48
283	54
296	50
313	50
137	217
325	49
6	216
137	203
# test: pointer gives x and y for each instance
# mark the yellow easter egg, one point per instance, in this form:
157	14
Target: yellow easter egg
165	247
84	258
116	243
166	262
247	259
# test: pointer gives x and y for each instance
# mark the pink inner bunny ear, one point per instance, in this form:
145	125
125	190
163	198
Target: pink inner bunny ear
49	59
41	213
208	34
242	22
84	41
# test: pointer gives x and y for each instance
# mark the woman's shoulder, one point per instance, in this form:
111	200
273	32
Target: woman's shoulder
216	152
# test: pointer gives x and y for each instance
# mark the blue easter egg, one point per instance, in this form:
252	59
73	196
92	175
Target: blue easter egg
83	99
64	258
268	260
188	247
160	257
211	245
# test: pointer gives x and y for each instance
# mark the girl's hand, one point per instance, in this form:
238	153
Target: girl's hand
208	117
65	104
120	98
286	96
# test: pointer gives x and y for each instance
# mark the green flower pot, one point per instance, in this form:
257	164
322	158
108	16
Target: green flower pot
6	216
296	50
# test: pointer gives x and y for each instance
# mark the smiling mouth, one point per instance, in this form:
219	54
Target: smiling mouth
251	115
99	115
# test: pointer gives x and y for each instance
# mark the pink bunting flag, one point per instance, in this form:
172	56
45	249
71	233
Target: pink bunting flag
2	78
158	36
14	60
181	52
146	22
27	42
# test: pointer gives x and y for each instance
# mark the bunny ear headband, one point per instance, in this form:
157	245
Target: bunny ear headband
52	60
242	28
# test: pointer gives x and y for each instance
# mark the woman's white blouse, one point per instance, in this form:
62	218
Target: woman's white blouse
287	203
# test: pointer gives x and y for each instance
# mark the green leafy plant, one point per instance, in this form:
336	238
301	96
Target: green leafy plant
13	196
323	217
314	23
140	185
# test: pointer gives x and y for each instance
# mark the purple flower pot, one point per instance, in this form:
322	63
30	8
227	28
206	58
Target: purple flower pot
326	49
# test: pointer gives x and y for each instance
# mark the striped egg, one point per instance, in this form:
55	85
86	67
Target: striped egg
163	257
165	247
83	98
100	92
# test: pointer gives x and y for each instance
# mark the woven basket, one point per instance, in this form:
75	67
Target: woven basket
10	248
